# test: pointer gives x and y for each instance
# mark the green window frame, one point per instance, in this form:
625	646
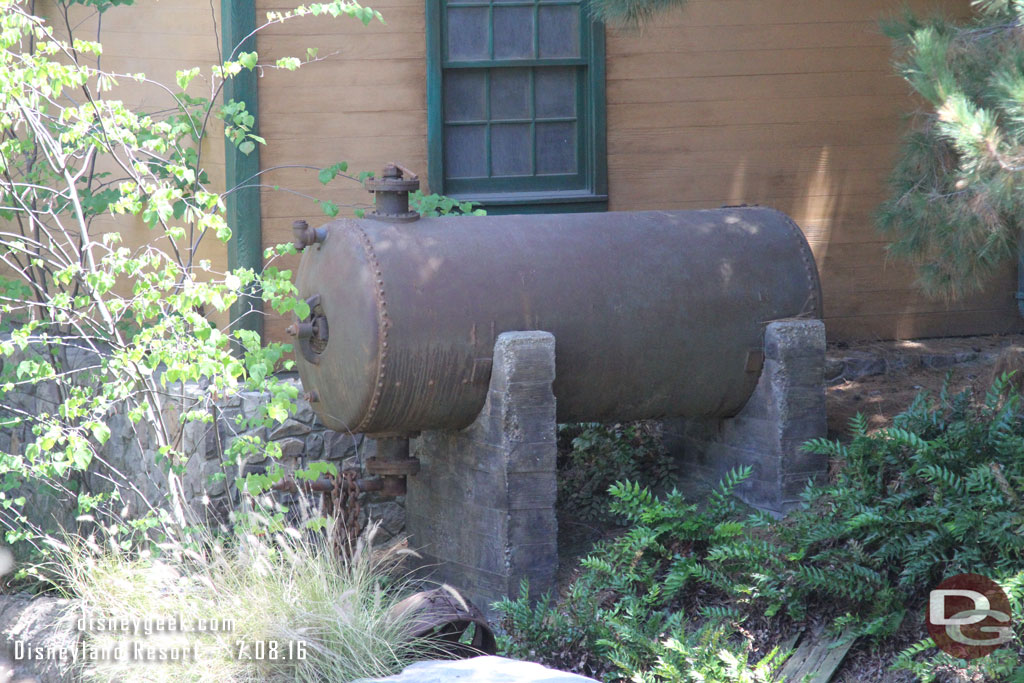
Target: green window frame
510	96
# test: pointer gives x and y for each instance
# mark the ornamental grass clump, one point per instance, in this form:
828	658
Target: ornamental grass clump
265	608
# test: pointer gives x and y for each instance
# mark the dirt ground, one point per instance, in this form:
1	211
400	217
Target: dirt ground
881	397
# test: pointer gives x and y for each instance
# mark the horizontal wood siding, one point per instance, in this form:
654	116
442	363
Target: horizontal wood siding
791	104
156	39
787	103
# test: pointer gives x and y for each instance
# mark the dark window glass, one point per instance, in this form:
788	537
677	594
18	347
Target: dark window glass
510	149
559	31
555	91
464	96
556	148
513	121
467	33
513	32
510	94
465	152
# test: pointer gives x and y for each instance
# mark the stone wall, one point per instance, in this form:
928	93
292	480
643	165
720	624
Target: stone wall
128	462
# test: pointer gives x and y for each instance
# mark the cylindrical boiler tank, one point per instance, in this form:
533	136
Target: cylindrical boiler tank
655	313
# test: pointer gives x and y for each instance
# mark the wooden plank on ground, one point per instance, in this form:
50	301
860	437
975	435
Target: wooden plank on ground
817	658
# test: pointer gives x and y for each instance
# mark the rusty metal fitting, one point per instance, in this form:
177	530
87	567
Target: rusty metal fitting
322	485
385	467
391	194
312	333
306	236
390	470
392	464
301	329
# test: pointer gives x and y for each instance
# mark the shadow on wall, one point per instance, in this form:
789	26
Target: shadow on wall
790	105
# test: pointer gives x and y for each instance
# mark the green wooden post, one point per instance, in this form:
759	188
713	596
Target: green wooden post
245	249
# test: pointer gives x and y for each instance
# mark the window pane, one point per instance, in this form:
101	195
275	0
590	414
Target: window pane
510	149
513	32
559	31
555	90
556	148
510	94
464	95
467	33
465	155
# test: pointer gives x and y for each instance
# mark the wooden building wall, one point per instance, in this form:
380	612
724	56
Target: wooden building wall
791	104
787	103
156	39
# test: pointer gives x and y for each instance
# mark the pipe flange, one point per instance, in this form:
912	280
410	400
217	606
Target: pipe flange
312	333
387	467
391	194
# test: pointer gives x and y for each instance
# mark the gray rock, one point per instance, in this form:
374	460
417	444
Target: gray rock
834	369
937	361
315	446
390	514
37	622
338	445
289	428
292	447
251	402
480	670
863	365
303	411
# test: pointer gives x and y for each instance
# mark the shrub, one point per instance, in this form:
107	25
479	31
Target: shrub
954	208
938	494
623	617
158	328
594	456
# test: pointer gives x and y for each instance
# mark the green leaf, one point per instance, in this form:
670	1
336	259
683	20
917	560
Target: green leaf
276	412
247	147
185	77
248	60
101	432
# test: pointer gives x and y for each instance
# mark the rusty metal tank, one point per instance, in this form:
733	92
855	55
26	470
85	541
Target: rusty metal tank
655	314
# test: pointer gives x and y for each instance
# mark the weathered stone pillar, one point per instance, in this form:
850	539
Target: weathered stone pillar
786	409
481	510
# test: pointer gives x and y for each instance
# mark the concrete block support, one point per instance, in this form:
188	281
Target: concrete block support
481	510
786	409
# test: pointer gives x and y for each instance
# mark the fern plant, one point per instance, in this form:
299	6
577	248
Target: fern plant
939	493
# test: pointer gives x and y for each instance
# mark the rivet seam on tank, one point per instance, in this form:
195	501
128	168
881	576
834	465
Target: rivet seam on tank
807	256
383	323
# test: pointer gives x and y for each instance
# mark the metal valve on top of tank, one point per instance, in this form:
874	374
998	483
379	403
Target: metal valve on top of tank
391	194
